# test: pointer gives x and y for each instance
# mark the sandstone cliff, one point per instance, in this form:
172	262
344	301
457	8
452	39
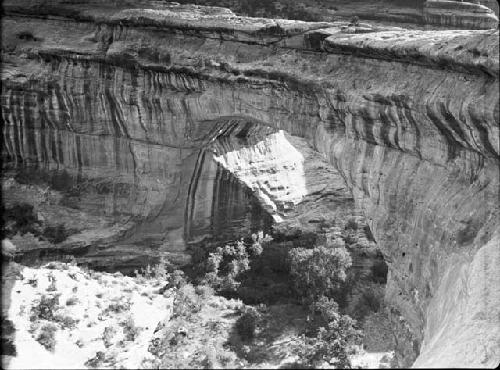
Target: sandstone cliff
461	14
407	119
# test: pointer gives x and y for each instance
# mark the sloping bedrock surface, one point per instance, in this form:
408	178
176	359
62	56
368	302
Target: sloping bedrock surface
408	119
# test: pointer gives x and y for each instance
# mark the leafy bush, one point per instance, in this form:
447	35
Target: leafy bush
118	305
158	271
71	301
177	279
107	335
379	272
96	361
335	342
204	291
52	286
366	300
324	310
23	217
351	224
46	337
45	308
66	321
186	301
27	36
319	271
247	323
130	330
226	264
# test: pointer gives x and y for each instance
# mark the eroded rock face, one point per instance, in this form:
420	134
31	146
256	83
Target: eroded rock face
408	120
472	15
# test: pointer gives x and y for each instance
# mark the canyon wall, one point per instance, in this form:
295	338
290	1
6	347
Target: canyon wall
406	121
458	14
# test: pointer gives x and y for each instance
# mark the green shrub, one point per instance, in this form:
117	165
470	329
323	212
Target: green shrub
335	341
247	323
351	224
45	308
66	321
379	272
186	301
96	361
130	330
118	306
52	286
71	301
107	336
158	271
226	264
204	291
23	217
366	300
324	310
177	279
46	337
319	271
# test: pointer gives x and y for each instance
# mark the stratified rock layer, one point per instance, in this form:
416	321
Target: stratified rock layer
408	119
461	14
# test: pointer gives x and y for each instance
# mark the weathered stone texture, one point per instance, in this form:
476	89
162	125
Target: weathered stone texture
408	120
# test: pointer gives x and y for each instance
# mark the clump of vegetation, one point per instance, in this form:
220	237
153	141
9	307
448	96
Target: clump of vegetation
46	337
118	306
317	272
379	271
324	310
45	308
96	361
227	264
247	323
366	300
66	321
130	330
351	224
158	271
334	342
108	335
27	36
57	265
354	21
186	302
204	291
52	286
71	301
20	218
177	279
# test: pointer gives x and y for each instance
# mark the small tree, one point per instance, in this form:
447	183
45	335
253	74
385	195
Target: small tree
247	323
227	263
333	343
319	271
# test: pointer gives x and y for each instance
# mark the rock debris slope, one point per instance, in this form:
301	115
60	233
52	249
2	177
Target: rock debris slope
408	120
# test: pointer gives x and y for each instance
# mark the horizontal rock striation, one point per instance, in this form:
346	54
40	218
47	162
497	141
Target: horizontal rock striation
460	14
408	120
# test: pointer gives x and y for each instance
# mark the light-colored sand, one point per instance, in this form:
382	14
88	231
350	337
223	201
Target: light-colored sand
95	292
